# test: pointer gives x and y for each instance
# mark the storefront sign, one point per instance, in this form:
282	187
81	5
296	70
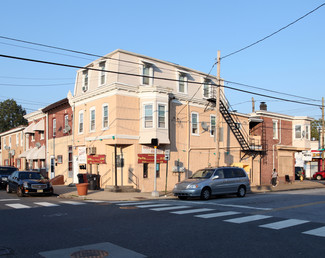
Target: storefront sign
150	158
96	159
82	155
316	154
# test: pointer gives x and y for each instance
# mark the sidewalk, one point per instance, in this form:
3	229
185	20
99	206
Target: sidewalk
70	192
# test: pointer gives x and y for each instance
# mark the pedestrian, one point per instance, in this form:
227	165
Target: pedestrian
274	178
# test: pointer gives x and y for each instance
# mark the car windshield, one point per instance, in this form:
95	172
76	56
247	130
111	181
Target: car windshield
30	175
203	173
7	171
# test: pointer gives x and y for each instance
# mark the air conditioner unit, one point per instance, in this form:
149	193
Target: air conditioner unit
91	150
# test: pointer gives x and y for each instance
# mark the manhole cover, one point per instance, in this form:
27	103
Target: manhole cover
129	208
89	254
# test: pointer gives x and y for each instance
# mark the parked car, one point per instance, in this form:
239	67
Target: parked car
28	183
298	172
319	175
213	181
5	171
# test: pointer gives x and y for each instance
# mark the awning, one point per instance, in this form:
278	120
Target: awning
30	128
40	153
23	155
39	126
31	153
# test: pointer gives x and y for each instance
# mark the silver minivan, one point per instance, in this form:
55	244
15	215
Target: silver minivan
213	181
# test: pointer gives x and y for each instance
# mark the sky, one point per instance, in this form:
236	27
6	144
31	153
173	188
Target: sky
288	65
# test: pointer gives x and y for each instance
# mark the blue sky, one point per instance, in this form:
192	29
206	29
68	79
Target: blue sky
188	33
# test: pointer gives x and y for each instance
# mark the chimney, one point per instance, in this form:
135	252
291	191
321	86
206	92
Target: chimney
263	106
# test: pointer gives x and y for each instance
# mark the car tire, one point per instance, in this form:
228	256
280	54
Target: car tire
182	197
8	189
205	194
241	191
319	177
20	192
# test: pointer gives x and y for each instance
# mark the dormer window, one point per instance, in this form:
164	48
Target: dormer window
147	73
85	80
182	82
207	88
102	77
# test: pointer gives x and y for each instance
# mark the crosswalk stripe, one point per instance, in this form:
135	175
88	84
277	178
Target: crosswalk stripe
316	232
6	200
152	205
247	219
72	202
133	203
171	208
217	214
18	206
191	211
284	224
94	201
46	204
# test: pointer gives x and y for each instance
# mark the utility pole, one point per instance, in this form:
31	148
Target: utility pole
218	110
322	133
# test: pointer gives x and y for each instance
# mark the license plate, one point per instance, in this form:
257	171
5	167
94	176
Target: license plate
40	191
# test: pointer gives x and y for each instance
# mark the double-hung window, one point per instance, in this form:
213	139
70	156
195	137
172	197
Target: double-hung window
148	116
307	132
212	125
182	82
105	117
298	131
206	88
54	127
161	116
66	121
275	129
85	80
92	120
147	73
195	123
102	77
81	122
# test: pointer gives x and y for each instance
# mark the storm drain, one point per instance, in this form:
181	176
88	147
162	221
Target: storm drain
89	254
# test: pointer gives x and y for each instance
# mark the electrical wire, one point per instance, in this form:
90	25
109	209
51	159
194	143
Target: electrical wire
272	34
156	78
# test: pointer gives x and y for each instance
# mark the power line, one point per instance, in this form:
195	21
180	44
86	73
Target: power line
35	85
272	34
156	78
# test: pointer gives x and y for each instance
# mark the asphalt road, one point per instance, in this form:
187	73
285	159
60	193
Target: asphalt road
286	224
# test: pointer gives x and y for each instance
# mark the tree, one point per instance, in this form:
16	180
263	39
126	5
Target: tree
11	115
314	128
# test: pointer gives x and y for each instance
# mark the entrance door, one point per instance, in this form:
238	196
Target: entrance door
75	169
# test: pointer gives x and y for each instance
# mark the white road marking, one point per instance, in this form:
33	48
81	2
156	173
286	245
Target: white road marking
18	206
152	205
46	204
192	211
284	224
247	219
316	232
244	207
171	208
6	200
133	203
94	201
72	202
217	214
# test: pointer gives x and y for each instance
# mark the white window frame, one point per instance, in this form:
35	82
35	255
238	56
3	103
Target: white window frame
295	131
144	115
185	75
22	139
92	122
165	116
103	117
207	82
85	80
102	74
10	141
33	137
197	123
307	132
212	132
151	73
66	121
41	133
276	132
81	114
54	127
17	139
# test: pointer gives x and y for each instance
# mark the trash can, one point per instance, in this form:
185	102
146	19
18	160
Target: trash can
80	178
93	181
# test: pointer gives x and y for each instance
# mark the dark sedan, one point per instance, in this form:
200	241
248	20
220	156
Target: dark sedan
28	183
5	171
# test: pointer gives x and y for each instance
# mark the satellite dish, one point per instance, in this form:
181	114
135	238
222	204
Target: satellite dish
38	145
204	126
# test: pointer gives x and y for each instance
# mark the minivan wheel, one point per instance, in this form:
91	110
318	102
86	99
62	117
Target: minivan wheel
241	191
205	194
319	177
8	190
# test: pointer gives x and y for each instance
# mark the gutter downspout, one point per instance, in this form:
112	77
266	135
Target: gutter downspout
280	138
188	138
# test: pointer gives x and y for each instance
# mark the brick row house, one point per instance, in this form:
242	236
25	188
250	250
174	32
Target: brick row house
124	100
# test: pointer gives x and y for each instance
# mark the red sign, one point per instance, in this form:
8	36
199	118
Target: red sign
96	159
150	158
